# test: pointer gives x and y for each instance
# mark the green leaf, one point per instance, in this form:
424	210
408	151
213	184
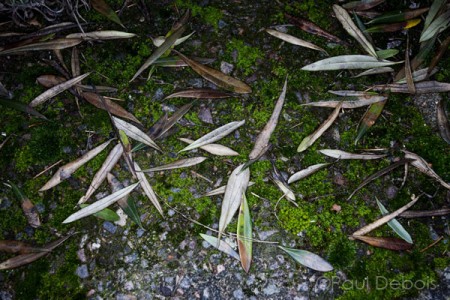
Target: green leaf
102	7
437	26
130	208
395	225
244	235
21	107
308	259
369	118
105	214
220	245
387	53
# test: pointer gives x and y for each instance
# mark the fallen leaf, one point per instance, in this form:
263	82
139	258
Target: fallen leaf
308	259
339	154
220	245
387	53
200	94
221	190
236	187
438	56
392	27
435	8
244	235
294	40
57	89
159	131
442	121
262	141
24	259
109	163
395	16
395	225
50	45
424	167
310	139
105	214
390	243
283	186
423	87
368	228
440	24
306	172
375	71
135	133
347	22
100	204
408	70
359	101
425	213
348	62
147	188
369	118
19	247
75	63
158	41
101	35
176	61
182	163
218	78
102	7
214	135
362	5
30	211
66	171
215	149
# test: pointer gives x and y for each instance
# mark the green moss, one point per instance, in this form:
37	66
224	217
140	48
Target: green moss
247	56
209	14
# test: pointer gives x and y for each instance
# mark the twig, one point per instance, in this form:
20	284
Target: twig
432	244
48	168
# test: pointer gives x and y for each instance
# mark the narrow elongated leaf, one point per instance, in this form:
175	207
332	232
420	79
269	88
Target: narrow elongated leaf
368	228
112	107
312	28
438	56
390	243
200	94
375	71
220	245
419	75
19	247
101	35
398	16
369	118
24	259
347	22
339	154
105	214
75	63
284	188
176	116
294	40
423	87
29	209
236	187
100	204
379	174
262	141
424	51
49	81
102	7
218	78
221	190
308	259
362	5
306	172
392	27
442	121
66	171
435	8
348	62
358	102
244	235
387	53
182	163
395	225
215	149
350	93
52	92
135	133
50	45
176	61
21	107
214	135
425	213
158	41
168	43
440	24
147	188
109	163
310	139
424	167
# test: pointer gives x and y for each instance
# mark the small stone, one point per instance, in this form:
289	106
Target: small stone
82	271
303	287
185	283
110	227
271	289
130	258
264	235
220	269
206	294
205	115
129	285
250	280
171	212
81	255
165	291
140	232
238	294
226	68
391	192
196	82
159	94
221	24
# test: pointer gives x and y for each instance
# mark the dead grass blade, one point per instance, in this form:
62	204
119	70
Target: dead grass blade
51	45
66	171
57	89
101	35
310	139
442	121
423	87
218	78
424	167
368	228
425	213
182	163
294	40
262	141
